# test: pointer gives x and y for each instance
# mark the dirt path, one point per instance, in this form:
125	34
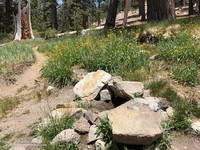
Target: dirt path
18	121
27	79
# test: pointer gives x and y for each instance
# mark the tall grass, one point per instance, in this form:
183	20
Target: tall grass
115	53
16	54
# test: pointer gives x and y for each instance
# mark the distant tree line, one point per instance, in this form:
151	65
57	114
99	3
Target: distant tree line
19	16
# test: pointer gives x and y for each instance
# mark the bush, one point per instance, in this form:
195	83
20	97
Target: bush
3	146
54	127
186	74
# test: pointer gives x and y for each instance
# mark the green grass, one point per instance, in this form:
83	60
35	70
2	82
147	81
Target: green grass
3	146
53	128
92	53
14	56
8	104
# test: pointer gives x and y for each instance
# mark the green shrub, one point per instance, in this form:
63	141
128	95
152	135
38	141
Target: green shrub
3	146
55	127
186	74
5	38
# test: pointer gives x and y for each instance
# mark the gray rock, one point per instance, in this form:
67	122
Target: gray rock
90	117
196	126
92	137
105	95
66	136
126	89
37	140
24	147
152	102
170	111
82	126
135	123
100	145
89	87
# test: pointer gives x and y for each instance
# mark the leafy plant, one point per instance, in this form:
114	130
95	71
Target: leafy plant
3	146
55	127
186	74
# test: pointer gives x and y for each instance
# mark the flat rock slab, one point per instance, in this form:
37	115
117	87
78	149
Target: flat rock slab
89	87
126	89
134	123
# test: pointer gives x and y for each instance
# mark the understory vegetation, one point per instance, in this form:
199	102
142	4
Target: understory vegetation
15	56
53	128
120	53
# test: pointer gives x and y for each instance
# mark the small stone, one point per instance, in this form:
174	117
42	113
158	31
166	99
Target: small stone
37	140
50	89
100	145
92	134
105	95
82	126
170	111
196	126
66	136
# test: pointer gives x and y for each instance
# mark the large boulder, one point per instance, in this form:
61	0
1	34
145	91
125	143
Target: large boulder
89	87
135	123
66	136
126	89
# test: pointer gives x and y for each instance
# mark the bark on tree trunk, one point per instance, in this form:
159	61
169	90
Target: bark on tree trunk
191	7
126	8
18	26
99	14
142	9
54	20
112	13
160	9
23	22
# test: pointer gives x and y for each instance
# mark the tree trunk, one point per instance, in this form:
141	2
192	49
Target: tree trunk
99	13
199	6
23	22
126	8
18	26
142	9
112	13
191	7
54	17
9	19
160	9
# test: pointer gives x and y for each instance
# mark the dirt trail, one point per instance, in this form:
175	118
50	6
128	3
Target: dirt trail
18	121
27	79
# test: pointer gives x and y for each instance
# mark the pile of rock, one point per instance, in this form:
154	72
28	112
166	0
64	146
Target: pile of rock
135	117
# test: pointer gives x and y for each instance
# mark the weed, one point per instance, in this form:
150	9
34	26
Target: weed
83	105
186	74
7	104
55	127
3	146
